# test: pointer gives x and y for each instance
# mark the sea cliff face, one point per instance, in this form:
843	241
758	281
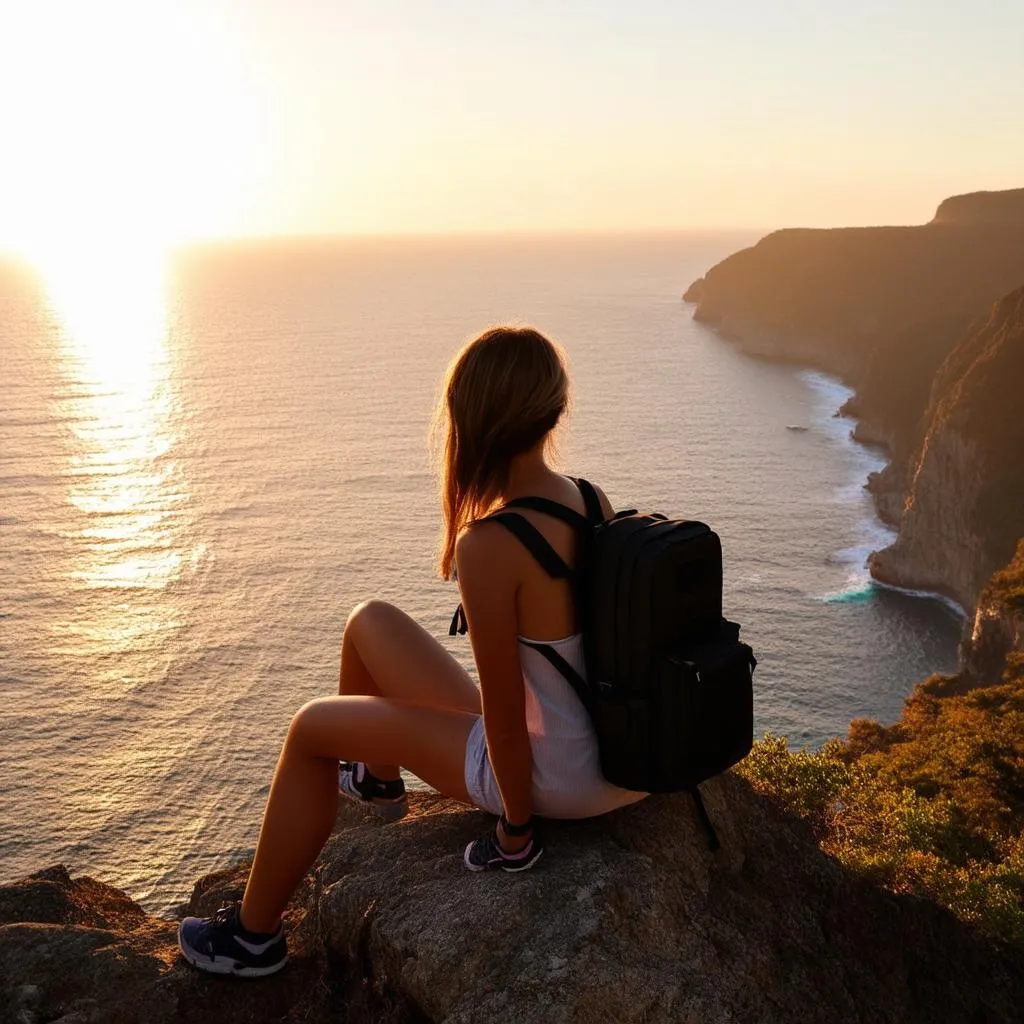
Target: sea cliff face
996	640
965	510
833	296
884	308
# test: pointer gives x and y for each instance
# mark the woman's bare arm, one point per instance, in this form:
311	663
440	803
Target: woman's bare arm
487	560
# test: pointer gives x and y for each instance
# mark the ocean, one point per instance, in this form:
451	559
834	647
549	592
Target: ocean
202	471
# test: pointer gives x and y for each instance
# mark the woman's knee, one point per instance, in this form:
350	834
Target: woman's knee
306	726
368	616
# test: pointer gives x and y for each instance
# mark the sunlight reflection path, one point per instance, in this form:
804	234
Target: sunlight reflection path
125	478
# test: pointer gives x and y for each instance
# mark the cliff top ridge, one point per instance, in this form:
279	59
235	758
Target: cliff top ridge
1006	207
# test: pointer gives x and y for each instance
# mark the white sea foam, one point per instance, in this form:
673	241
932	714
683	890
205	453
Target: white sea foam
952	605
870	533
873	534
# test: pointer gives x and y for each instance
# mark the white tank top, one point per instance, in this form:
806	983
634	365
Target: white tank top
566	766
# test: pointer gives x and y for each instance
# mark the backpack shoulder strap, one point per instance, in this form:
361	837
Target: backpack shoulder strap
458	623
549	507
534	541
571	676
595	514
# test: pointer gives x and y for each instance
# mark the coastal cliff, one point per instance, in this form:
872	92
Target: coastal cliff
995	644
884	308
965	509
933	804
628	918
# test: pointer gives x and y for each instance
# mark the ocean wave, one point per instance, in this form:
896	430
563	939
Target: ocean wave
953	606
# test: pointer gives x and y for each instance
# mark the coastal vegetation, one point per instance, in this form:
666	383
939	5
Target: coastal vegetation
932	806
1007	586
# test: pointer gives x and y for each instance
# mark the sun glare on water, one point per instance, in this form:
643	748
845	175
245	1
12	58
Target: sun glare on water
118	399
128	128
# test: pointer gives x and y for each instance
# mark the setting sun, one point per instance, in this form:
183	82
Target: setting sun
142	123
140	132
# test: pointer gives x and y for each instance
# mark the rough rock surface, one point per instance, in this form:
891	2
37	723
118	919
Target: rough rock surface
80	952
627	918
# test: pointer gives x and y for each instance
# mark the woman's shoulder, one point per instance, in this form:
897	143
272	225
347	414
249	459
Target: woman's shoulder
486	544
574	494
495	548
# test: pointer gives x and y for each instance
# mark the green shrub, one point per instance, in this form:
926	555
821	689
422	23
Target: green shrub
910	838
803	783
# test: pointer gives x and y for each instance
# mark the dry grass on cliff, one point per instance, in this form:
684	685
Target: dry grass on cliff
932	806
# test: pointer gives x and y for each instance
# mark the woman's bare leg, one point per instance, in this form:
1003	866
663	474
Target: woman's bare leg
303	800
386	653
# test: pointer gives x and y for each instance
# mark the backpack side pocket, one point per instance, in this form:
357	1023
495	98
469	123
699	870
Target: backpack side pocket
623	724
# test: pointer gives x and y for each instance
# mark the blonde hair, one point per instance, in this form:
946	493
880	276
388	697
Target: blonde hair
503	394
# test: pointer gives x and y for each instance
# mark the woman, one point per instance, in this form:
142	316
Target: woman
520	744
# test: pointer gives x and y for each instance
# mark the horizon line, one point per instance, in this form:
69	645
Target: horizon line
460	234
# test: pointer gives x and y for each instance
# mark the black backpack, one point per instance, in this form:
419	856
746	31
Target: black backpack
669	685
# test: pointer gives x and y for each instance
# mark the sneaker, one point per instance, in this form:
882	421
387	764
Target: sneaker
388	798
486	855
221	945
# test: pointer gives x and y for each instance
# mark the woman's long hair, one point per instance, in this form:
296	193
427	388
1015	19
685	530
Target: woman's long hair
503	394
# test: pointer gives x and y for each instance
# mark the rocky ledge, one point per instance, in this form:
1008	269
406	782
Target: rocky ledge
627	918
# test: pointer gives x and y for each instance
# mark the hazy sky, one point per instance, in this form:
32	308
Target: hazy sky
141	119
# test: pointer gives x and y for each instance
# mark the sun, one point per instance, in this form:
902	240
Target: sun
133	129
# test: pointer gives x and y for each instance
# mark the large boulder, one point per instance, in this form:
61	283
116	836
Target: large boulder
81	952
626	918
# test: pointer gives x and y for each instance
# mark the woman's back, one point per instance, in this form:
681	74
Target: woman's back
544	606
566	771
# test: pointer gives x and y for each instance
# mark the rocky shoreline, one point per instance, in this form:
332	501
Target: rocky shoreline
924	324
888	496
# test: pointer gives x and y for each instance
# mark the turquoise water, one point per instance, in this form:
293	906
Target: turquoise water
865	592
199	477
